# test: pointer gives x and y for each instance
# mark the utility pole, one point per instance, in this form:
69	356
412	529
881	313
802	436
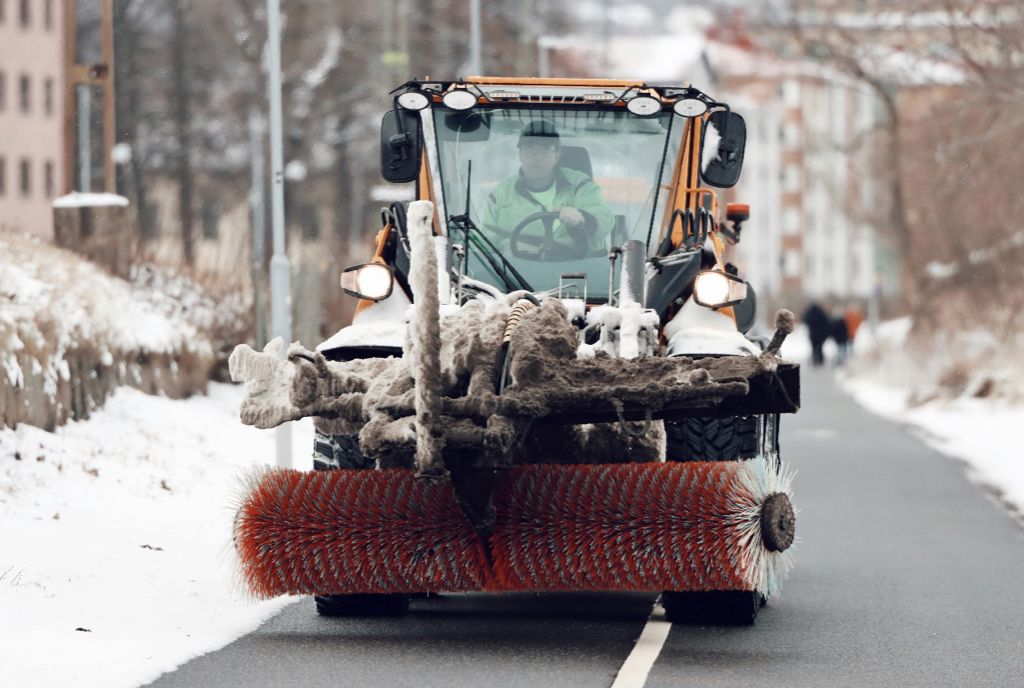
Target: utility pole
80	78
280	270
606	30
258	223
475	66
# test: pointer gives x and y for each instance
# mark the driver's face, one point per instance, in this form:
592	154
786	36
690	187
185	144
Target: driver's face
538	159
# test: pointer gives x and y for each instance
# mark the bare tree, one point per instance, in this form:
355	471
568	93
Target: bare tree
182	92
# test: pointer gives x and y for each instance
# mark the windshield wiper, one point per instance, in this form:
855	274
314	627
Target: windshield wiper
499	264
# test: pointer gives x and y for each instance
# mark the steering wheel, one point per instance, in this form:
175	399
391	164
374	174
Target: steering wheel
548	249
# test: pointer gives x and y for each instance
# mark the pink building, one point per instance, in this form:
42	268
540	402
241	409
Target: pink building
31	113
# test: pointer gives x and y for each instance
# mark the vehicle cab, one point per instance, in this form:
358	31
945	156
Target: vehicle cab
630	216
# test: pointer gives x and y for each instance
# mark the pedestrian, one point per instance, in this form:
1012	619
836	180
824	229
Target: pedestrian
842	338
819	328
854	316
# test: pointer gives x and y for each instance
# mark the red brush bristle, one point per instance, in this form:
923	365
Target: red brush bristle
617	527
675	526
354	531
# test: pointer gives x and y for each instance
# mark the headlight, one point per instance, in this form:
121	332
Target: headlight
371	281
714	289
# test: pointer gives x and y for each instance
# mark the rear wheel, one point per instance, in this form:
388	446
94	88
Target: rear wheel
719	439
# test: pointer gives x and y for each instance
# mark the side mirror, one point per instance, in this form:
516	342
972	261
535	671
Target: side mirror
723	170
400	145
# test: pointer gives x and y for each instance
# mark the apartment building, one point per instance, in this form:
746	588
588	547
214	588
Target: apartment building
31	113
807	178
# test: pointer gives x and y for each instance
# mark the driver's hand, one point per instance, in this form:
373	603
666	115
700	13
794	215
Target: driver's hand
571	217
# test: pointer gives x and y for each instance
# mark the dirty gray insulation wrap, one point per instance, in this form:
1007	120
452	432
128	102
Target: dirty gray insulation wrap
376	398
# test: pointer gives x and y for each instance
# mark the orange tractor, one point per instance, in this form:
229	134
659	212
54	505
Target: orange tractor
548	384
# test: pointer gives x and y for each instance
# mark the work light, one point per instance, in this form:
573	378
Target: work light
715	289
371	281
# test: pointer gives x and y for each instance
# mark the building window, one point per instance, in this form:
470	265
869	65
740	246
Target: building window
3	89
25	93
791	263
791	179
26	178
3	172
790	135
791	221
48	96
25	13
3	12
791	93
48	14
48	178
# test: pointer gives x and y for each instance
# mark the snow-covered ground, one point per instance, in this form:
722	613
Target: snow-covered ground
115	557
980	432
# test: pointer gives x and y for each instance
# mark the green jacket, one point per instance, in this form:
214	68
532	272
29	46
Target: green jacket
511	202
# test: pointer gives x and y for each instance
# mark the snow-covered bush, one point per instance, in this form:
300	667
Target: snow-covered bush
70	333
933	364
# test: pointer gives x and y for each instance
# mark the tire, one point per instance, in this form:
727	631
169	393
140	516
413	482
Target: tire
333	452
712	439
361	605
338	451
714	608
717	439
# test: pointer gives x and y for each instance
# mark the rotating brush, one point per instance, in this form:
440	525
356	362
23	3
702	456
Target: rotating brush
640	527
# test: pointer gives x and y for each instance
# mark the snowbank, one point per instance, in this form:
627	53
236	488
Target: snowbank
960	394
115	553
70	333
975	363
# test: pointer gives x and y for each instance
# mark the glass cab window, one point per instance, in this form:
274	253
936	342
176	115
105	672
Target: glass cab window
551	190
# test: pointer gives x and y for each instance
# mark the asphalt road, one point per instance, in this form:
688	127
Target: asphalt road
906	575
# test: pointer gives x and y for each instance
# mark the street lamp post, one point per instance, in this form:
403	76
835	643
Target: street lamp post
475	67
280	270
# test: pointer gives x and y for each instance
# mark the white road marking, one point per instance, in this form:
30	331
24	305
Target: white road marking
638	665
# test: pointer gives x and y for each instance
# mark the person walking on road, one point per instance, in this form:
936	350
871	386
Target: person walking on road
819	327
853	316
842	338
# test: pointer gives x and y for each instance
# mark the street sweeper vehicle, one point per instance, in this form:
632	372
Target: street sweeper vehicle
547	385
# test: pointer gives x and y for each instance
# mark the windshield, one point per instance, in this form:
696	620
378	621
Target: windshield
553	190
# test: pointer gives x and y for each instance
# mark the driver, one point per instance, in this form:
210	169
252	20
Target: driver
542	185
